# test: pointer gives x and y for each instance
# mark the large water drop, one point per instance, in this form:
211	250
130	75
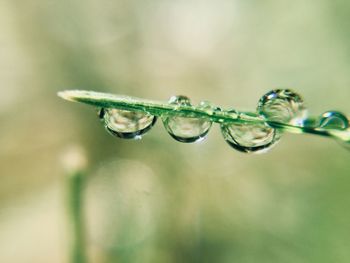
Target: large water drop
127	124
185	129
250	137
334	120
282	105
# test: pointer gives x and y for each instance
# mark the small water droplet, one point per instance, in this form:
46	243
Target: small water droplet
185	129
206	105
334	120
217	109
127	124
250	137
209	107
282	105
180	100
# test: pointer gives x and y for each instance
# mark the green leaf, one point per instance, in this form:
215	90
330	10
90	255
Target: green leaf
157	108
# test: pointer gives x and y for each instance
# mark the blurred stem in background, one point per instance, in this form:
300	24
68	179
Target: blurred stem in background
74	162
75	203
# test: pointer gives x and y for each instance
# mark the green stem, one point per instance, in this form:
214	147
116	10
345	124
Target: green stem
75	204
156	108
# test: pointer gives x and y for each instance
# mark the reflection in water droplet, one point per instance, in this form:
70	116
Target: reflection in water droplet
334	120
185	129
250	137
282	105
127	124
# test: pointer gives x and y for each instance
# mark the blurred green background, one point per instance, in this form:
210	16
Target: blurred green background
157	200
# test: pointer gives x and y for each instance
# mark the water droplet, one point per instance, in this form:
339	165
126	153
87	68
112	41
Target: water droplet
209	107
250	137
334	120
185	129
180	100
282	105
206	105
127	124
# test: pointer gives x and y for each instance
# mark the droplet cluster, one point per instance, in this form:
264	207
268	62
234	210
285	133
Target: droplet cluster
280	106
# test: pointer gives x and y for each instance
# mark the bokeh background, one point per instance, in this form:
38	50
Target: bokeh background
155	199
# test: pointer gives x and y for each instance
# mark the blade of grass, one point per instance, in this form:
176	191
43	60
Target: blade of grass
106	100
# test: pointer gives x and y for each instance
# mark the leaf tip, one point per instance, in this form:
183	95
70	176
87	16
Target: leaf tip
66	95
